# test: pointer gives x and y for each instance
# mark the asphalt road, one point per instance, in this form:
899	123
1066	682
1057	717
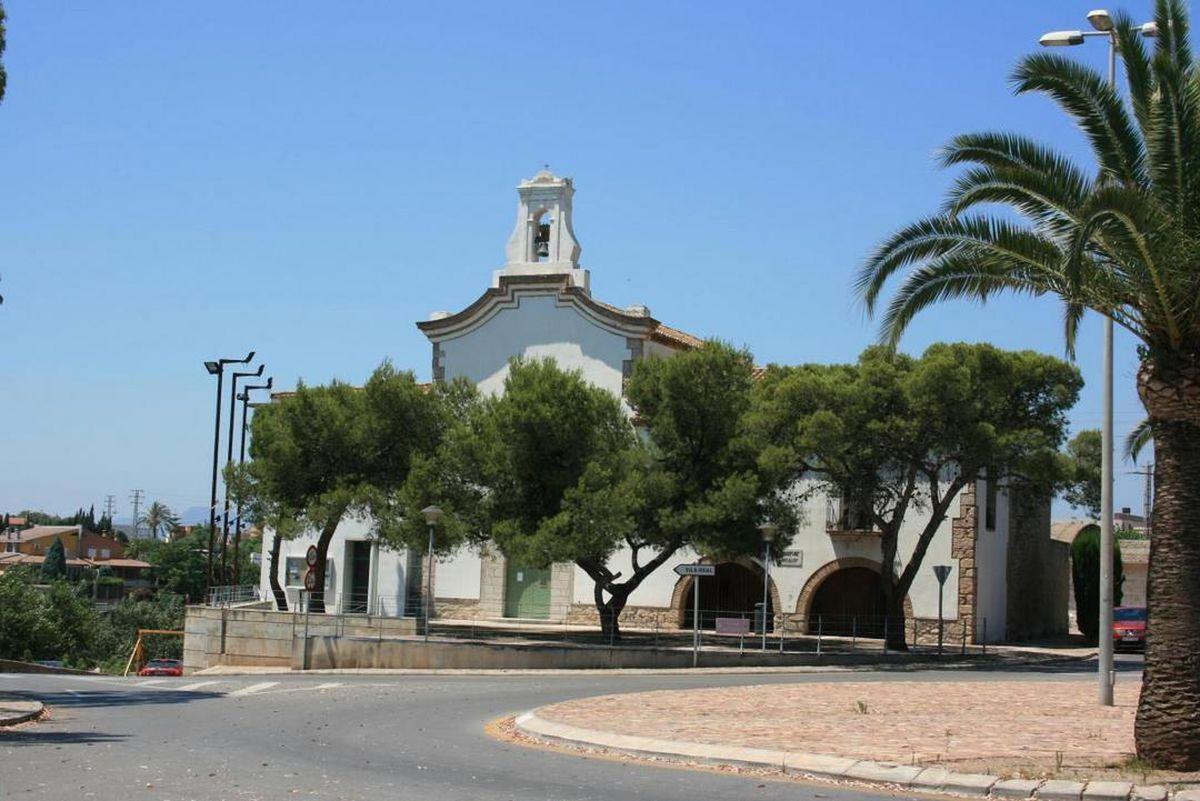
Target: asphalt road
356	737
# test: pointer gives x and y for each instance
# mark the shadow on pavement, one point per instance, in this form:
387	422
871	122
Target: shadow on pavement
99	698
33	735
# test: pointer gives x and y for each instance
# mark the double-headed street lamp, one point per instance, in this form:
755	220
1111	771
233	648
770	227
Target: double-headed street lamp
217	368
768	531
1102	24
237	531
229	463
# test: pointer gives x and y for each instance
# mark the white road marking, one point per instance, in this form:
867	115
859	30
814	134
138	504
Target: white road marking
328	685
149	682
253	688
196	685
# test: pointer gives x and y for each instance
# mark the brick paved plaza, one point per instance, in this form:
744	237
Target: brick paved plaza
1003	727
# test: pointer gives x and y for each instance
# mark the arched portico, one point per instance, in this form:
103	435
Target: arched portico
736	589
846	594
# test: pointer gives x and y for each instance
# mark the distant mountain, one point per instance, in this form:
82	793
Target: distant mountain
193	515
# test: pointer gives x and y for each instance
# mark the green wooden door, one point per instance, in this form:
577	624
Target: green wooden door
526	592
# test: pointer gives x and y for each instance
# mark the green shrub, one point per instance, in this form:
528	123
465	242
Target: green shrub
1085	574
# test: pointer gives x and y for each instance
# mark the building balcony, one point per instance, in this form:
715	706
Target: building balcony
846	519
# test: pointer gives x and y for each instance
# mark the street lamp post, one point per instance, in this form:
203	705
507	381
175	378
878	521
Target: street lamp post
217	368
237	531
432	515
1102	23
768	531
228	462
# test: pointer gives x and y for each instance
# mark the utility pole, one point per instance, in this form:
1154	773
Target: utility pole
136	497
1148	497
110	505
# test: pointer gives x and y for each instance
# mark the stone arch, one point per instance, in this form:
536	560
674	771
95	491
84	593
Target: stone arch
805	599
681	596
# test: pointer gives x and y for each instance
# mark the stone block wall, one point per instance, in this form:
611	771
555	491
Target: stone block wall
963	529
1037	569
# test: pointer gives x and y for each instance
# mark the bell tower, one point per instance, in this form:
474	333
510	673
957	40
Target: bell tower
543	243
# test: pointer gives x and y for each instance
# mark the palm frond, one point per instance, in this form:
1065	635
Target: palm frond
1095	106
1072	315
1137	439
933	237
969	276
1139	72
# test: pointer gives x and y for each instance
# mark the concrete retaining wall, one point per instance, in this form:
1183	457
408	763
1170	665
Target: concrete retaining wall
325	653
257	636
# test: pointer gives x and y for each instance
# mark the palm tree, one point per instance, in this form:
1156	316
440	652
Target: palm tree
159	517
1124	242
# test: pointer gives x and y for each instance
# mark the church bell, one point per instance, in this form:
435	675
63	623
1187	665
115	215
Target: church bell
542	241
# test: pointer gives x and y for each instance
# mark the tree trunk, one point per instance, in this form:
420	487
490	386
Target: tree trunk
610	615
280	596
893	609
316	601
1167	729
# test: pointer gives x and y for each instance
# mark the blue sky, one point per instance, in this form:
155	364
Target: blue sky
308	180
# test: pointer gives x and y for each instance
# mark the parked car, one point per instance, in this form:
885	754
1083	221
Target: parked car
162	667
1129	627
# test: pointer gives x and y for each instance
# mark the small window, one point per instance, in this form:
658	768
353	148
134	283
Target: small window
989	510
91	553
105	553
295	571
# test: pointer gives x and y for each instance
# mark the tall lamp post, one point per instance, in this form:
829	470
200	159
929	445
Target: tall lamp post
1102	24
237	531
217	368
228	462
768	531
433	514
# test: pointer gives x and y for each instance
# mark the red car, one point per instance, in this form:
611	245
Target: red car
162	667
1129	627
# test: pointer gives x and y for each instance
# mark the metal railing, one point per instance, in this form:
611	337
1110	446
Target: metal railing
234	594
360	615
843	515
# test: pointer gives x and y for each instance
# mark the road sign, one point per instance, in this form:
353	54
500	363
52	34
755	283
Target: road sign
941	571
310	558
696	570
310	580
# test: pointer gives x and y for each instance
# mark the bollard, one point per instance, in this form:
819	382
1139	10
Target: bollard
819	621
885	634
854	633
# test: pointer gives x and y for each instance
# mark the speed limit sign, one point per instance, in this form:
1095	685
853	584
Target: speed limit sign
310	580
310	558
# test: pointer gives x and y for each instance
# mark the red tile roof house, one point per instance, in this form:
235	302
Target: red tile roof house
84	550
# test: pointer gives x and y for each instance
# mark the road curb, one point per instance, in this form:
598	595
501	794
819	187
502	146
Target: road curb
887	775
897	667
14	712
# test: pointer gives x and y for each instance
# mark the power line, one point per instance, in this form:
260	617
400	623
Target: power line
110	505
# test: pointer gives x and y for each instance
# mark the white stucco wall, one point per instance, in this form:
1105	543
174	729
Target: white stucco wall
387	566
813	547
991	567
537	327
458	576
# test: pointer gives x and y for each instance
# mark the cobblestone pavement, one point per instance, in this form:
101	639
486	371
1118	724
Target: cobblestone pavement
965	724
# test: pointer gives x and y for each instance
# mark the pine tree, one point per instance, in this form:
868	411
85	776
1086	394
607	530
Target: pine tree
54	566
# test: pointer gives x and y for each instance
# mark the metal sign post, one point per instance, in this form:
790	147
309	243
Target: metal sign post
696	571
942	572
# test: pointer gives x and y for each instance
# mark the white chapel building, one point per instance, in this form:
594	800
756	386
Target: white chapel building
1005	571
